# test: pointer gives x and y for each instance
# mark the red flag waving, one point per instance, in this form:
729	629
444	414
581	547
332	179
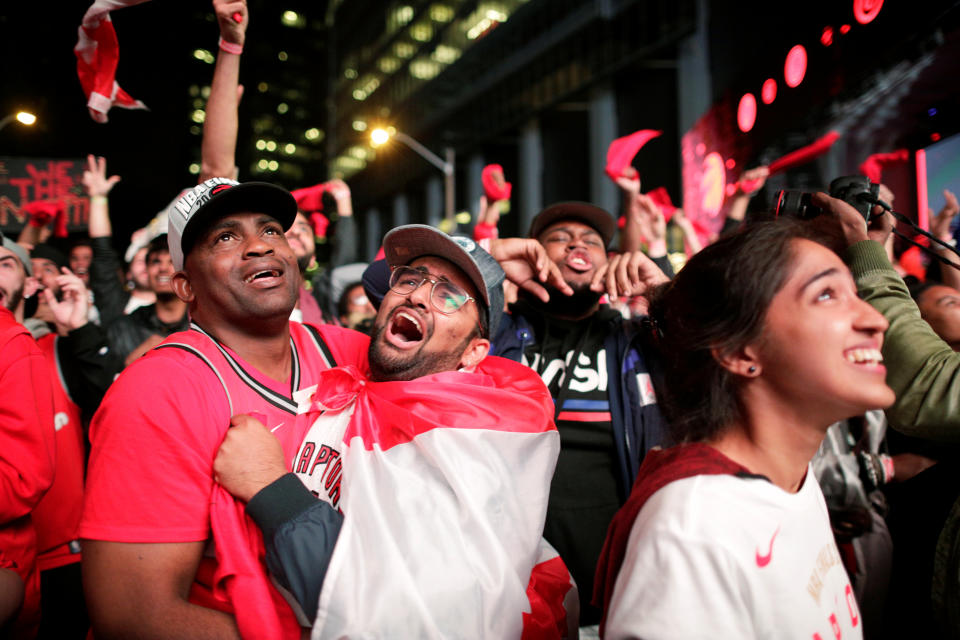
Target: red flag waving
873	166
623	150
495	187
804	154
97	53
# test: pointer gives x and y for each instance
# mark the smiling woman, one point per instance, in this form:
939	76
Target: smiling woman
765	344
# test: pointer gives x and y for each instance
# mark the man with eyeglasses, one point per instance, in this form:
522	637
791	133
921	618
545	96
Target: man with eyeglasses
432	472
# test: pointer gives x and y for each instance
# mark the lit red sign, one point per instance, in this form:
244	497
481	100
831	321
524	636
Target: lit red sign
864	11
795	66
747	112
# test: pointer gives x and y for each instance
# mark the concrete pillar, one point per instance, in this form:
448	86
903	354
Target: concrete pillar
693	69
373	233
603	130
401	210
530	178
434	200
475	164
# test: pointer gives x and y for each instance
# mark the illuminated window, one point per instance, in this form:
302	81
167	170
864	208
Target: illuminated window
424	68
262	87
441	13
388	64
194	168
349	73
312	133
445	54
271	145
198	115
205	92
422	31
261	144
273	165
404	50
359	125
293	19
282	56
262	164
289	148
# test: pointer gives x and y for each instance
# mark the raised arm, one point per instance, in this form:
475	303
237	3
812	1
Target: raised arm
219	145
751	181
941	228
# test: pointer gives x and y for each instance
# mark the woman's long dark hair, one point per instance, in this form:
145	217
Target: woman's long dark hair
718	301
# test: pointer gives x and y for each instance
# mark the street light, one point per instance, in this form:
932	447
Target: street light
23	117
381	136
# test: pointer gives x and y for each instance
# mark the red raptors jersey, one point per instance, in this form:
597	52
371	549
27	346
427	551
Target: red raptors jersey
57	517
156	435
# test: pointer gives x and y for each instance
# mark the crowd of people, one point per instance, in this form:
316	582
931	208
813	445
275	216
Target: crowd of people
584	431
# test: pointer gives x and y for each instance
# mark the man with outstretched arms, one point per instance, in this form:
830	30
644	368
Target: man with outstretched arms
432	472
167	552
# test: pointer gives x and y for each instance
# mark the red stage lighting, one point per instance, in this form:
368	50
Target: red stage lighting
747	112
713	183
934	136
769	91
845	29
827	36
730	163
796	66
866	10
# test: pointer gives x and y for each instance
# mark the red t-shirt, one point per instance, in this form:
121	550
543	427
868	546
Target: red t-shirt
57	517
154	439
27	456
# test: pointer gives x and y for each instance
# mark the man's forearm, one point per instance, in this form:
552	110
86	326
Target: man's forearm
300	533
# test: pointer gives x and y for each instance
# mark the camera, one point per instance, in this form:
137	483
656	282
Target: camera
857	191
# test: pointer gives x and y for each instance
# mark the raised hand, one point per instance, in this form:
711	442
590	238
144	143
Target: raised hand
525	263
95	179
627	274
940	226
341	194
71	312
231	30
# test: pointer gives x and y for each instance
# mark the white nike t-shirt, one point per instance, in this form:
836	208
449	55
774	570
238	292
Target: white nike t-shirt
721	556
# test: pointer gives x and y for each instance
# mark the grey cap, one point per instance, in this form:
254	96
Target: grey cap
405	244
19	251
219	197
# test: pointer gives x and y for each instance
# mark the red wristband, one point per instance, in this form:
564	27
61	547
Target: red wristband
229	47
888	468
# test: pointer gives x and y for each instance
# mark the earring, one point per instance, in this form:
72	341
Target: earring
752	369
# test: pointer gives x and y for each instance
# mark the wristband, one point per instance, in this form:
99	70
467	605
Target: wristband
888	468
98	199
229	47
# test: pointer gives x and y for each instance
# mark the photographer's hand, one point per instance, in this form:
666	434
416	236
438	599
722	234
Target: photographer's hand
852	225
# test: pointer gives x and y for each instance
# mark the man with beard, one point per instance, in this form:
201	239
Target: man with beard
79	367
432	472
134	334
166	551
27	447
592	361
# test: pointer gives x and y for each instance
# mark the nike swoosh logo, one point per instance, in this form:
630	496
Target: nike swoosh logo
764	560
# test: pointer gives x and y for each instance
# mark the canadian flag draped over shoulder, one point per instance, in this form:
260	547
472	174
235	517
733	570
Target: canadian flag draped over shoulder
97	53
445	488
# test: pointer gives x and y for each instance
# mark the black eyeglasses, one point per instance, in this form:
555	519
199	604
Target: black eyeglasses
446	297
